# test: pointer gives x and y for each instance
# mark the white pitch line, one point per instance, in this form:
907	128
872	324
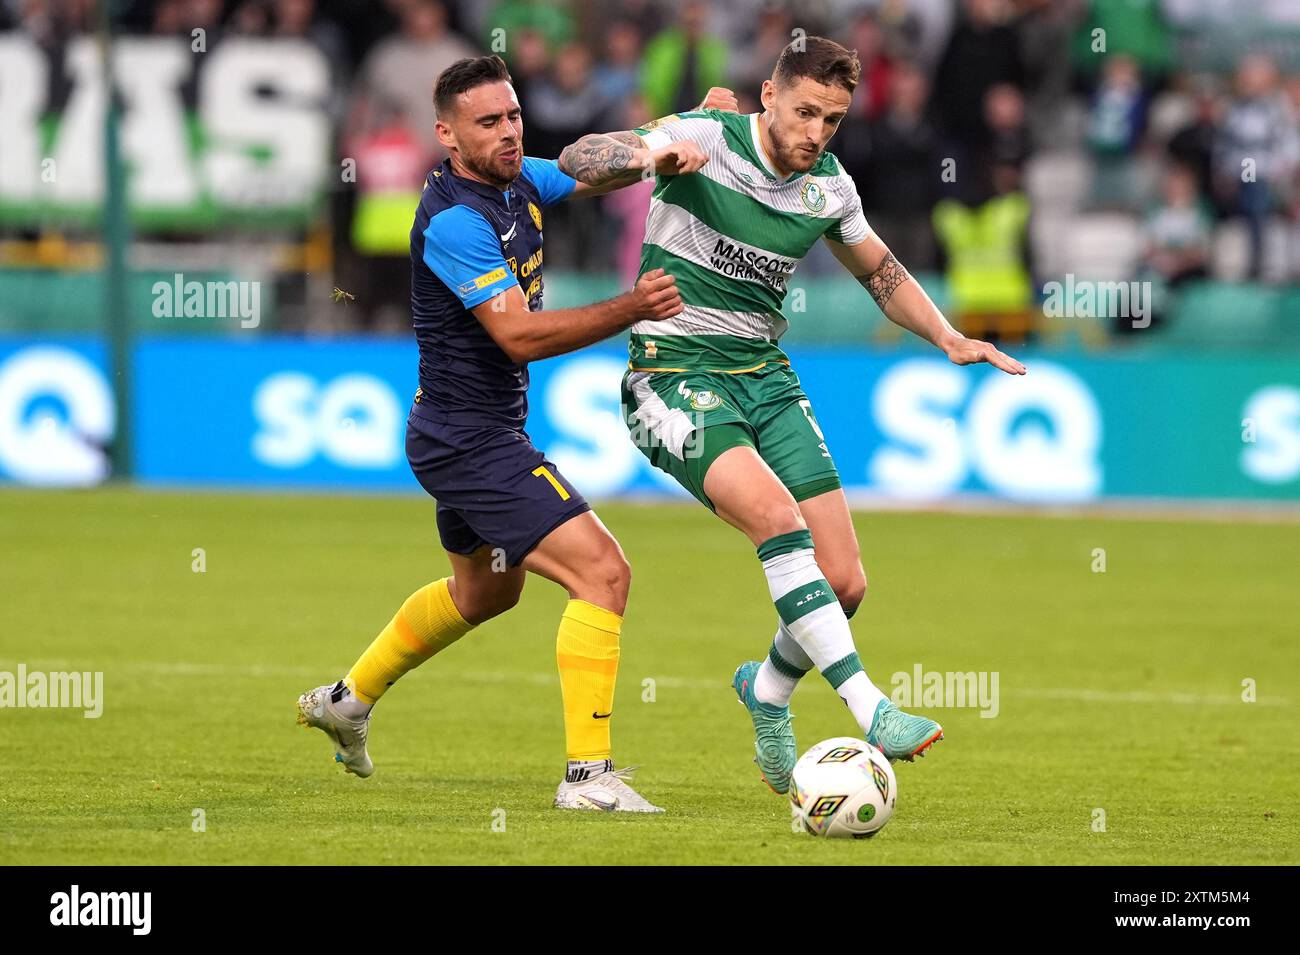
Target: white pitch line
535	678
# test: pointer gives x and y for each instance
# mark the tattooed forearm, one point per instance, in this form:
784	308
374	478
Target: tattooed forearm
601	158
881	283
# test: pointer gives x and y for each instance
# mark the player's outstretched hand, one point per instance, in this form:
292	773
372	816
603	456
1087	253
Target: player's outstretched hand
719	97
656	297
970	351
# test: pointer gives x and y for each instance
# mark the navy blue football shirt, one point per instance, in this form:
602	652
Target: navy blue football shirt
470	242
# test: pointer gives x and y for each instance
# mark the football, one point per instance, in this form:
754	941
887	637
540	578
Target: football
843	788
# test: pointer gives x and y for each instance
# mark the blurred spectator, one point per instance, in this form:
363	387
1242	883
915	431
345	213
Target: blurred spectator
49	24
205	15
749	67
924	25
1135	28
552	21
1116	121
251	18
565	104
1192	146
402	69
168	17
617	72
682	62
1008	137
1178	231
391	164
1050	78
1255	150
983	52
987	260
297	18
646	15
897	182
528	59
1293	206
872	95
562	107
1177	238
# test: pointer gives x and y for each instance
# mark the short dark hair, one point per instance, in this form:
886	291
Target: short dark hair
464	75
820	59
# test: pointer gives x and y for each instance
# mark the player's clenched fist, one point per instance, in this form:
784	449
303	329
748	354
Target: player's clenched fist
656	297
674	159
719	97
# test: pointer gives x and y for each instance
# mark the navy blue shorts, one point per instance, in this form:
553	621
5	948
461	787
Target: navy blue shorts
492	486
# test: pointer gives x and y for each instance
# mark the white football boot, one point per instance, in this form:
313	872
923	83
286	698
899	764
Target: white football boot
317	708
604	792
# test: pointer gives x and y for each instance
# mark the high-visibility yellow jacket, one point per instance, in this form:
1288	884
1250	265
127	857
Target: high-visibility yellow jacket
985	249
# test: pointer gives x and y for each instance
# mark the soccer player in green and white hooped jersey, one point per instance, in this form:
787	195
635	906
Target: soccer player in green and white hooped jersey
711	399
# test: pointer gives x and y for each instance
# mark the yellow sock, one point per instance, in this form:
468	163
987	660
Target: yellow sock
587	652
426	623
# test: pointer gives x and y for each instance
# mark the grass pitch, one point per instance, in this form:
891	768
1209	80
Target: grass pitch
1119	691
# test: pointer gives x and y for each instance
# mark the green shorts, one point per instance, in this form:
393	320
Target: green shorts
669	414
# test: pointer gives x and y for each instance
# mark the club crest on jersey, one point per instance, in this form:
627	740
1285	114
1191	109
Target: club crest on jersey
813	195
536	213
705	400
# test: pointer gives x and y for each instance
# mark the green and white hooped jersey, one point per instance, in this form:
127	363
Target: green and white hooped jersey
733	234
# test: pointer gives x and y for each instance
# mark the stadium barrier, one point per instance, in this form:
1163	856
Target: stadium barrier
275	411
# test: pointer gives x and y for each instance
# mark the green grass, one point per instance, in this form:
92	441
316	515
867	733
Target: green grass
1119	691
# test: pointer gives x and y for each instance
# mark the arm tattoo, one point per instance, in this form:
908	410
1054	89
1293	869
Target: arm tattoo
601	158
881	283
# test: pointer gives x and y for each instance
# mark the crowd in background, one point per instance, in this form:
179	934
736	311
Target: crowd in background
1002	142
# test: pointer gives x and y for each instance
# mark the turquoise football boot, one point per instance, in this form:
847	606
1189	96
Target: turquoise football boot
773	736
902	735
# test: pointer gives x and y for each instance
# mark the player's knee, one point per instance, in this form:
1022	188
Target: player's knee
777	517
616	574
609	578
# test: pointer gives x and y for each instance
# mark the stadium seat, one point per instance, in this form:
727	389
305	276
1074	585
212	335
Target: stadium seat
1058	180
1104	247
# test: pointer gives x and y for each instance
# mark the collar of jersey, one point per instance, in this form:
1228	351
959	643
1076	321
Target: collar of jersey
757	143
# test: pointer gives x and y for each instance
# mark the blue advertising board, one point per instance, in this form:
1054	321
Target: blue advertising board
331	414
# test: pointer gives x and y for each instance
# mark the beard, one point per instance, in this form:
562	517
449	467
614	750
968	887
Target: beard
490	167
788	154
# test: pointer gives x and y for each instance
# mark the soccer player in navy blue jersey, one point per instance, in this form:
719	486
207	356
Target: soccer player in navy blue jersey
503	509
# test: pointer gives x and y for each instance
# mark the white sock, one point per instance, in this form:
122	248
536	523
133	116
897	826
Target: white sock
814	618
775	683
862	697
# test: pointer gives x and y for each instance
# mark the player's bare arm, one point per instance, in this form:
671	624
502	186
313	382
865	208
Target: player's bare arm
602	162
530	336
906	304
